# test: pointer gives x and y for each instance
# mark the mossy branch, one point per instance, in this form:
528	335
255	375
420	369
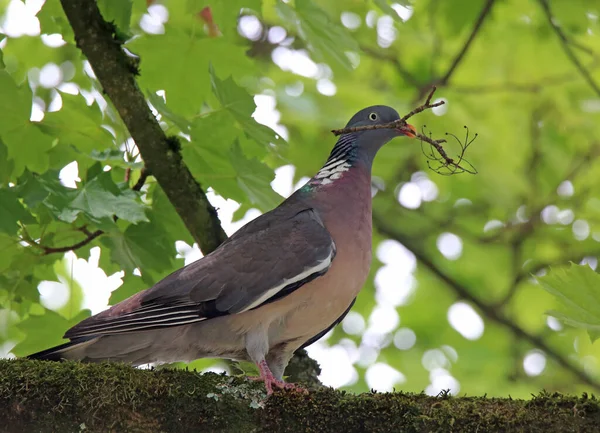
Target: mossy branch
72	397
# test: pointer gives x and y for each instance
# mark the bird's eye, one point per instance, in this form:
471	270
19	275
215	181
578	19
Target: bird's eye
373	116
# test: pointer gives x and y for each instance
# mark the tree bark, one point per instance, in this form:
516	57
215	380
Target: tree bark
39	396
116	73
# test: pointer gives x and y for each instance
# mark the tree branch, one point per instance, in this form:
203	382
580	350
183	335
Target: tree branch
142	180
74	397
482	16
566	45
90	236
161	154
489	311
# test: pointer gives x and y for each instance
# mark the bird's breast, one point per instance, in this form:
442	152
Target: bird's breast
346	214
345	209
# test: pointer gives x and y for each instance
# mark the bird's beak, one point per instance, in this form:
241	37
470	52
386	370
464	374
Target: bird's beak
408	130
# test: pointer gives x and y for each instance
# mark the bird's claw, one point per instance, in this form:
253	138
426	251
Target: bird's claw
271	381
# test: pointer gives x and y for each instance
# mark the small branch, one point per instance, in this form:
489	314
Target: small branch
116	73
444	160
566	45
142	180
90	237
482	16
426	106
445	164
489	311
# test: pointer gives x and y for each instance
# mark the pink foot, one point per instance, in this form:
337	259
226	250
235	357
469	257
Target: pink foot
267	377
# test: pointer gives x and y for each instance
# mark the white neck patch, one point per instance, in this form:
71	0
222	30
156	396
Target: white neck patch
333	170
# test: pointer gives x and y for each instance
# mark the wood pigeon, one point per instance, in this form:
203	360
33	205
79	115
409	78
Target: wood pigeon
276	285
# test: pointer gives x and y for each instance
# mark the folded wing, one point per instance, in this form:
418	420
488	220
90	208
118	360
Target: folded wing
259	264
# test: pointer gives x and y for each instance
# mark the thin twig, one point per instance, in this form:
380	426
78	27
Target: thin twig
90	237
566	45
426	106
142	180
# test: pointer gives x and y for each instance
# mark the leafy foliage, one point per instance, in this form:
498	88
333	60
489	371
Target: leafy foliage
578	291
446	248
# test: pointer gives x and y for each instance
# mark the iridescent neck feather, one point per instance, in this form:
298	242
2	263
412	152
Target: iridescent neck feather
341	159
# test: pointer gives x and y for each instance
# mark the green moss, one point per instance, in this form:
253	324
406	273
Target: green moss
40	396
111	397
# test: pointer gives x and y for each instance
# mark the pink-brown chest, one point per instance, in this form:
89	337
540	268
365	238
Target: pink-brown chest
346	213
345	208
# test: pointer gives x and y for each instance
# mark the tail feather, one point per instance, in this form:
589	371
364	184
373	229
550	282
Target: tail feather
71	350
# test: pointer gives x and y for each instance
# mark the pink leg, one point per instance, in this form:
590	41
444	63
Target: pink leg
267	377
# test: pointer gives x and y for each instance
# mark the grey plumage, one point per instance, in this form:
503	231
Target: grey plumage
278	283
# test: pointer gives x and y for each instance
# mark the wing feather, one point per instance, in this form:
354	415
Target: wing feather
245	272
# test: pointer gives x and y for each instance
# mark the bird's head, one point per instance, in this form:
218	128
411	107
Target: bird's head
368	142
379	115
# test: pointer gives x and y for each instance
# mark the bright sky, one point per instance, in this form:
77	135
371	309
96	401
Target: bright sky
395	282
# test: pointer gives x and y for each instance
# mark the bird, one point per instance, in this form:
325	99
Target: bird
277	285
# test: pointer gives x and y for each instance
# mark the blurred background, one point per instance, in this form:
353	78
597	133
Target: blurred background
451	303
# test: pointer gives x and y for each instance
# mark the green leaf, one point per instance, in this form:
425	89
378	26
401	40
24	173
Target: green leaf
326	38
459	14
117	12
254	178
114	157
44	331
578	292
6	165
2	65
164	214
572	16
186	80
132	284
387	9
32	189
225	167
77	124
11	212
17	282
240	104
16	128
161	106
144	246
64	272
53	20
101	198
